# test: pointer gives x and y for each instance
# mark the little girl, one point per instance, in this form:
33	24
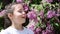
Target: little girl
17	17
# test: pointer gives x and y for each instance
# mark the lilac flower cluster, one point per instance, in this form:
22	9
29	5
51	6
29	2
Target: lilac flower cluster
2	13
43	19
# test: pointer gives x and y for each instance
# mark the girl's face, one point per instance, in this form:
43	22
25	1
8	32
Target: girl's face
19	15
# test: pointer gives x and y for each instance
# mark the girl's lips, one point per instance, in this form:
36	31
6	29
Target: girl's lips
23	16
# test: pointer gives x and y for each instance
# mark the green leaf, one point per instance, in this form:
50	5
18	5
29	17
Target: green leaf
13	0
56	24
38	25
39	7
1	5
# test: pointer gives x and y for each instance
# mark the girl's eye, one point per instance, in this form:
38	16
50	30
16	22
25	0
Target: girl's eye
20	11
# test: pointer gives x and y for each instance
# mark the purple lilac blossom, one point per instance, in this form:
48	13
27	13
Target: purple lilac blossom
41	14
2	13
19	1
26	7
50	14
32	15
49	1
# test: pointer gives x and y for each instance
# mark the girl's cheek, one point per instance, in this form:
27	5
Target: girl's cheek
17	14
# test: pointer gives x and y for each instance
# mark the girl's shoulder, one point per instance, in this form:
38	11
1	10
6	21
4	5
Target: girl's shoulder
5	31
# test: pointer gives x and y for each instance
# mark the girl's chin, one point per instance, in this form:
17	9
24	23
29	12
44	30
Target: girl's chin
23	21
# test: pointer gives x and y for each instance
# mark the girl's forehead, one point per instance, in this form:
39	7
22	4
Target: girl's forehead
18	6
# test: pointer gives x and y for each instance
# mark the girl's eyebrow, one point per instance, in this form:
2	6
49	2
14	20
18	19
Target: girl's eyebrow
20	9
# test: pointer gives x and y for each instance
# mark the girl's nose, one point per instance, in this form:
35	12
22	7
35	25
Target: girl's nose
24	13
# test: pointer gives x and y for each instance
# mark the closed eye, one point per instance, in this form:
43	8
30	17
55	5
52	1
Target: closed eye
20	11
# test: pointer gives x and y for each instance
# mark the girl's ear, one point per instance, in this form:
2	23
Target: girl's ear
10	16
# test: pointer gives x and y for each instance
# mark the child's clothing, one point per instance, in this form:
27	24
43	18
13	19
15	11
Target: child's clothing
11	30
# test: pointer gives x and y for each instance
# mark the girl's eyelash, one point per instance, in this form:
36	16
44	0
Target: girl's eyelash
20	11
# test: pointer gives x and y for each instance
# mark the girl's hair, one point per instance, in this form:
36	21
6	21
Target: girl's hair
10	9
